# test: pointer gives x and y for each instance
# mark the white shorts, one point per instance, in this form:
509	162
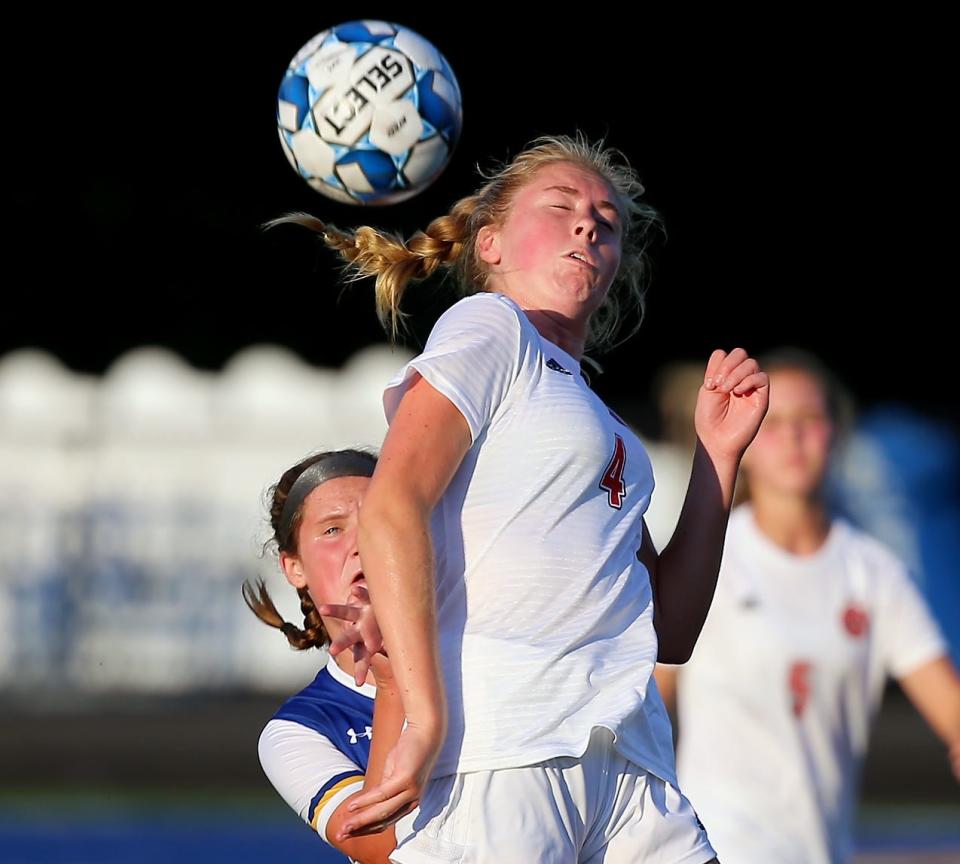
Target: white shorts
598	808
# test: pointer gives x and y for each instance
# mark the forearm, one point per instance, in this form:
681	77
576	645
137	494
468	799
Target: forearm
387	723
934	689
397	555
687	568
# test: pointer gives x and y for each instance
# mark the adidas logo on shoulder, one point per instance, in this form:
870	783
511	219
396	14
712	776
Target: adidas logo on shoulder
556	367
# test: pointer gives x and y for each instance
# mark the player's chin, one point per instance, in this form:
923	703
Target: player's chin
804	482
587	295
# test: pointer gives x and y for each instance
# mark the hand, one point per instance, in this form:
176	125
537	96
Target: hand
383	672
731	404
360	632
405	775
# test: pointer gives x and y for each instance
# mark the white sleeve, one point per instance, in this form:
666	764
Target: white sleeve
908	634
472	357
310	774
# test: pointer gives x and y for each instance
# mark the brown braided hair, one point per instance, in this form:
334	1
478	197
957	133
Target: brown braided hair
255	595
450	241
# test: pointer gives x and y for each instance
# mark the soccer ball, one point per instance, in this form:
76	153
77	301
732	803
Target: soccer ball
369	113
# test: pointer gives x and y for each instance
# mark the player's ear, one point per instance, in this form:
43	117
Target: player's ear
488	244
293	570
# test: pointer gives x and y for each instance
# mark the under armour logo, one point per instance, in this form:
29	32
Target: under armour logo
356	736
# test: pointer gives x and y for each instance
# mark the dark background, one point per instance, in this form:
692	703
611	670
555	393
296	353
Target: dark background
803	169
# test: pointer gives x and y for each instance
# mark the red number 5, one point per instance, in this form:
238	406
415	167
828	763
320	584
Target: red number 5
612	479
801	687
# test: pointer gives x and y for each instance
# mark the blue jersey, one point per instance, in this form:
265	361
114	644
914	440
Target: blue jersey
321	760
344	716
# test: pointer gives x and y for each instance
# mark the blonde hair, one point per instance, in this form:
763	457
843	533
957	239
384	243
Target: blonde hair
449	241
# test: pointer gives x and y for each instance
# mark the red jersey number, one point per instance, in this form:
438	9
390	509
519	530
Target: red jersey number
798	679
612	479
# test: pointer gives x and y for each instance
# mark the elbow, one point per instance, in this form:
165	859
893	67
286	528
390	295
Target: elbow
676	635
378	857
674	655
674	646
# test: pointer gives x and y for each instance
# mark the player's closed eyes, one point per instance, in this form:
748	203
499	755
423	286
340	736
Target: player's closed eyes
602	222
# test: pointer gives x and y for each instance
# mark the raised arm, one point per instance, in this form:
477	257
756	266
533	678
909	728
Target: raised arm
730	407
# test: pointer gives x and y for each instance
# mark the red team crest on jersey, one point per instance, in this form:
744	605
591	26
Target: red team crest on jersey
855	620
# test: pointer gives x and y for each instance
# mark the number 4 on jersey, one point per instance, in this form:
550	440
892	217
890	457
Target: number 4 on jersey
612	479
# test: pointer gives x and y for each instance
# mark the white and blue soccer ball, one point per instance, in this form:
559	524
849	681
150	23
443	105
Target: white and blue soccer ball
369	112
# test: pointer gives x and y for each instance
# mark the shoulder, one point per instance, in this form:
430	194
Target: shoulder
323	704
490	313
280	735
291	751
485	303
880	560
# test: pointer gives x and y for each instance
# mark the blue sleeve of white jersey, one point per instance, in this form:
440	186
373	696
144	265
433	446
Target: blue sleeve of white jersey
473	357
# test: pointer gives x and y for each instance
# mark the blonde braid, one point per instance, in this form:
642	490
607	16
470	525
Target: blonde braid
394	262
450	240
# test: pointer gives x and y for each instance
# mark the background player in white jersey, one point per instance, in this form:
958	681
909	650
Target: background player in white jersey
320	746
507	508
810	617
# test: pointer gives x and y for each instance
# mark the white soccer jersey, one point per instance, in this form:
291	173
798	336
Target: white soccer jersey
776	702
545	614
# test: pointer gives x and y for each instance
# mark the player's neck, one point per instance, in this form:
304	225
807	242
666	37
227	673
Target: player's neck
564	329
345	661
560	331
796	524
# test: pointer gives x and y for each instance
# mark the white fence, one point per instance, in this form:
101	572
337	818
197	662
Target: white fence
132	509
